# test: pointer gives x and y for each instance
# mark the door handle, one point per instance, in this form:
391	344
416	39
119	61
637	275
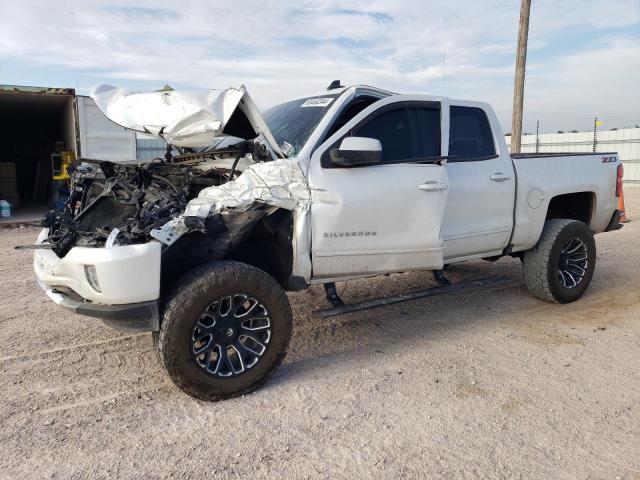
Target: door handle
500	177
433	186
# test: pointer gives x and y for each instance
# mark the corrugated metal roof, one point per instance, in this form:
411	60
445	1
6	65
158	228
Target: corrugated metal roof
19	89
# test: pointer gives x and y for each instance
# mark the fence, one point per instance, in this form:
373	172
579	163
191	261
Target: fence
624	141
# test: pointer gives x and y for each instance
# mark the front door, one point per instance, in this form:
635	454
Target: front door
384	217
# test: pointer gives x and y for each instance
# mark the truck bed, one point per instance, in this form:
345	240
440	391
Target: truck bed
552	177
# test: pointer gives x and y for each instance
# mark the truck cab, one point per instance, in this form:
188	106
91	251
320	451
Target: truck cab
442	162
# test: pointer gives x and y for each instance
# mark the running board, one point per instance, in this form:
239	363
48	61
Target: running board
466	286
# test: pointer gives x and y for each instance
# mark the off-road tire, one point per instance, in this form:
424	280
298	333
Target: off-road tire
541	264
190	297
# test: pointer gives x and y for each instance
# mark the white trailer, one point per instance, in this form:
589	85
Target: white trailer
100	138
36	121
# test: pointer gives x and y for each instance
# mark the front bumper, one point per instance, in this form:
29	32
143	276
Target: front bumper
128	282
141	317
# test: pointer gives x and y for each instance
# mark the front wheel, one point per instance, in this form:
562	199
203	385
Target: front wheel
225	330
560	267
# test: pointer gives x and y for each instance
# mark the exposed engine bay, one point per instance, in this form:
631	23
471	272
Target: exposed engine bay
120	204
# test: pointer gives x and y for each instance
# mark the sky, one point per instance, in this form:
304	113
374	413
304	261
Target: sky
583	57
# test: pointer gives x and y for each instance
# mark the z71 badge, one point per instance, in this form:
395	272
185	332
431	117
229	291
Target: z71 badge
609	159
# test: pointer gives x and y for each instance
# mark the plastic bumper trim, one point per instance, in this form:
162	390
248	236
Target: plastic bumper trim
140	317
615	223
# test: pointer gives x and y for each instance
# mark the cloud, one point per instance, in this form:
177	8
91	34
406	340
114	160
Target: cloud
285	49
603	82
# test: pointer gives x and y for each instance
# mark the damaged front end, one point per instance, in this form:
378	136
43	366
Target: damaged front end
115	204
129	230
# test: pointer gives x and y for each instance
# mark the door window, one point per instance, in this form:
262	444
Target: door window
406	133
409	133
470	136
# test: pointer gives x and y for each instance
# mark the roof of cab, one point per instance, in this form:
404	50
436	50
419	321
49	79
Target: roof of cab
341	90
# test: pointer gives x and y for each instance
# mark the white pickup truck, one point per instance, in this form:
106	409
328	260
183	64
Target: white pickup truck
200	246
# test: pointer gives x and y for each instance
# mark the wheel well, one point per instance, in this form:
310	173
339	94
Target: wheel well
253	237
269	246
575	206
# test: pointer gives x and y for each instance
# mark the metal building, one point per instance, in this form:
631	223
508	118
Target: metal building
148	147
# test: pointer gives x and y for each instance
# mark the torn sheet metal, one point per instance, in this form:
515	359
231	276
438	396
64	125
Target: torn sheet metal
279	183
182	118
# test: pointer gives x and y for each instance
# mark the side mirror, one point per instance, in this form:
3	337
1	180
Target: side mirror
357	151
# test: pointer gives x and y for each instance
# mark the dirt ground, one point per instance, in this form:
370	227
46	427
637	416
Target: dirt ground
490	384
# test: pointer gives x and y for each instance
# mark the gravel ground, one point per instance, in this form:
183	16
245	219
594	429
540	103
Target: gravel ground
490	384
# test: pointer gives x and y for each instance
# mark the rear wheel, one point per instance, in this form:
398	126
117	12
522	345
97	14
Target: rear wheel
225	330
560	267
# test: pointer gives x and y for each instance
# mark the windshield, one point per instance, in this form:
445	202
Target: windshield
293	122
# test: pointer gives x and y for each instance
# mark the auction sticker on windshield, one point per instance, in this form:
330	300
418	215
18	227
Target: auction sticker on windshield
317	102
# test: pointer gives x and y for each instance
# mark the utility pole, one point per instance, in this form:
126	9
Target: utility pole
518	86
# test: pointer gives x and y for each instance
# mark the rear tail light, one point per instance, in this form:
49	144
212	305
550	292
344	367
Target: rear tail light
619	180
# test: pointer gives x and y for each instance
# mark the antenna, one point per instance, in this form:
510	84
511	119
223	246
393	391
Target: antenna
444	70
335	84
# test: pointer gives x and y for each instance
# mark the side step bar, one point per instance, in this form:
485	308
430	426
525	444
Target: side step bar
466	286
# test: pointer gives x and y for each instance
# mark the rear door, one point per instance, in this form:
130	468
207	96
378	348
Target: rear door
384	217
479	214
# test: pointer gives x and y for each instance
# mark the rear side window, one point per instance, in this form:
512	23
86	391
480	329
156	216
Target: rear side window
470	134
406	133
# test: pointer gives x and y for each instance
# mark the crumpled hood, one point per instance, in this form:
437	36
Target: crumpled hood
186	118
